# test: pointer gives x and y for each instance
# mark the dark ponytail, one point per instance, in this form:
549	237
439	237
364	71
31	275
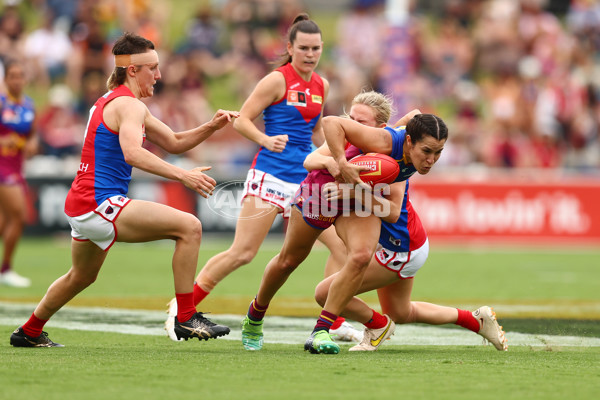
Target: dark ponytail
302	23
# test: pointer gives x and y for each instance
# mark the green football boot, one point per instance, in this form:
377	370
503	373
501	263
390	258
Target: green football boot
252	334
321	342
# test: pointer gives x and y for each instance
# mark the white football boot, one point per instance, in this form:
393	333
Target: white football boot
170	322
346	333
373	338
11	278
489	328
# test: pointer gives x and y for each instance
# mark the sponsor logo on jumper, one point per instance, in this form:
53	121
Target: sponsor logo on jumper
296	98
318	217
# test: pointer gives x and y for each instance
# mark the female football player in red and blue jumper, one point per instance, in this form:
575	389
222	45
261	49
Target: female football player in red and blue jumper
291	101
97	206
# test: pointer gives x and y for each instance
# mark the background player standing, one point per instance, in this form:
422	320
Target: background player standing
18	140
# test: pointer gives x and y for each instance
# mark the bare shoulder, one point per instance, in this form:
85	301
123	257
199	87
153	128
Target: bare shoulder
269	89
273	80
124	108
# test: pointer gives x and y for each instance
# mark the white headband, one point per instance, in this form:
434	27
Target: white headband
125	60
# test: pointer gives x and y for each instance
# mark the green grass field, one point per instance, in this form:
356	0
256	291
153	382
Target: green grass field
547	301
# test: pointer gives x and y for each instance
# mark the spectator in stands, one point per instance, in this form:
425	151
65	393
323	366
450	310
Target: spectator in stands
48	49
59	125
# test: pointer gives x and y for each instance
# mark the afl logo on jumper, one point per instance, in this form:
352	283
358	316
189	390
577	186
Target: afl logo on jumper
109	210
296	98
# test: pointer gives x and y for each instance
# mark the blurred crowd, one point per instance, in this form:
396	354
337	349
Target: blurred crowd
517	85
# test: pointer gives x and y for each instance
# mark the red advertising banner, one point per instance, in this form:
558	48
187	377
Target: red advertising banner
505	209
509	210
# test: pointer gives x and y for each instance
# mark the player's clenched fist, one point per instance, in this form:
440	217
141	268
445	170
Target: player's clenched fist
199	182
276	143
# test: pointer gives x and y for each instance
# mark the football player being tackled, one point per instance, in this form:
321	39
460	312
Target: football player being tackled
301	234
401	261
402	247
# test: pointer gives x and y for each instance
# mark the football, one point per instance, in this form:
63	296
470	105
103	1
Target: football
382	168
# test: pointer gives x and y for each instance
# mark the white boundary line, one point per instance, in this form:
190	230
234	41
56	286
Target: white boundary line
287	330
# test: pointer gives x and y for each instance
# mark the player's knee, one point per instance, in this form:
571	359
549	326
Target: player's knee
15	218
321	292
287	263
193	228
399	317
21	218
245	257
404	315
81	280
360	258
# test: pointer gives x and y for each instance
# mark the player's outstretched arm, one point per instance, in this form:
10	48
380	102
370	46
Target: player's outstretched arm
131	115
178	142
199	182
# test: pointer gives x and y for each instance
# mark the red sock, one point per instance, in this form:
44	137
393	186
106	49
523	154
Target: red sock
338	322
33	327
377	321
467	320
199	294
185	306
